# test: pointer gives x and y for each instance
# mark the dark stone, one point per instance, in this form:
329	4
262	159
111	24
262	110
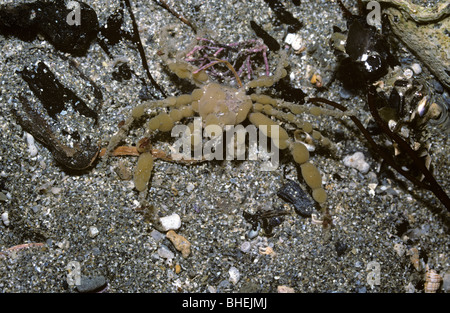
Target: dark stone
74	39
122	72
437	86
112	30
269	41
57	23
341	248
53	95
91	284
292	193
284	16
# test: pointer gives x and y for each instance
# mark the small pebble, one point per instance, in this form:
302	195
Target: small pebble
171	222
177	269
408	73
5	218
157	236
91	284
357	161
437	86
32	149
417	69
165	253
190	187
446	98
252	233
400	249
446	282
234	275
295	40
285	289
246	246
93	231
345	94
180	243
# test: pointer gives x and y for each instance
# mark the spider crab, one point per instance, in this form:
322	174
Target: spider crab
220	105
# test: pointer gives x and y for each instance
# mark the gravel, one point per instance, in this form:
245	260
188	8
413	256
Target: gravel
93	221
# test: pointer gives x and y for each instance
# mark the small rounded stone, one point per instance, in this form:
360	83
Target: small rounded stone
170	222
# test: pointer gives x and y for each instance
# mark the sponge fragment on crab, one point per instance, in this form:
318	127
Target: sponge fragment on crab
319	195
311	175
143	171
300	153
166	122
183	100
260	120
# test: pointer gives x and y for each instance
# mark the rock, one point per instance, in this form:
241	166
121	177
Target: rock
165	253
32	149
245	246
93	231
357	161
75	36
5	218
292	193
446	282
171	222
92	284
234	275
190	187
156	235
417	69
70	26
400	249
285	289
180	243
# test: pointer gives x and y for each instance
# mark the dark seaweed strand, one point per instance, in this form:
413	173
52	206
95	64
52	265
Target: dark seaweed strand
138	42
79	158
347	13
269	41
176	14
432	185
283	15
404	146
